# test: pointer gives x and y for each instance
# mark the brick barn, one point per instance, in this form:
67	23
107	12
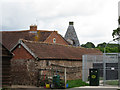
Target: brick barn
31	58
10	38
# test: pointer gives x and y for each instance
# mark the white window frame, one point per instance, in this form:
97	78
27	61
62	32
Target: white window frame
54	40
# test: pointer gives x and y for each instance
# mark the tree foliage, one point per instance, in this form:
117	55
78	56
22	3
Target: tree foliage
88	45
110	48
116	33
102	45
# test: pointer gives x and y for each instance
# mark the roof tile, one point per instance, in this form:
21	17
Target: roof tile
10	38
57	51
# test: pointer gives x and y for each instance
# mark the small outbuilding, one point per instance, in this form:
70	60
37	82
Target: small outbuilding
33	59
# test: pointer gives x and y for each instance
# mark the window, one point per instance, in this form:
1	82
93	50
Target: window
19	46
54	40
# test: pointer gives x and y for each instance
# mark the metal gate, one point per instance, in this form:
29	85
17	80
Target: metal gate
106	63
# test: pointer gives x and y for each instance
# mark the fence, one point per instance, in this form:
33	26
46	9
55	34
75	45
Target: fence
107	65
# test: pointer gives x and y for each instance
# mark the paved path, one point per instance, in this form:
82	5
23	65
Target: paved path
96	88
65	89
93	89
77	88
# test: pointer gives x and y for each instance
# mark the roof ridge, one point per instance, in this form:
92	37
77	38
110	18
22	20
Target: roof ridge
64	38
15	31
27	30
51	43
45	30
58	44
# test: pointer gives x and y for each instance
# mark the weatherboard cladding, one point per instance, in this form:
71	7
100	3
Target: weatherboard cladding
56	51
5	68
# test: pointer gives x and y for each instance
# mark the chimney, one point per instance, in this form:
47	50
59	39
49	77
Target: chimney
71	23
33	27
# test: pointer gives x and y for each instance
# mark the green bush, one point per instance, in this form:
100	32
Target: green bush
76	83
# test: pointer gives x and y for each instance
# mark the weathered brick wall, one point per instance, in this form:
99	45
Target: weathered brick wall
24	72
74	68
42	63
23	67
58	38
67	63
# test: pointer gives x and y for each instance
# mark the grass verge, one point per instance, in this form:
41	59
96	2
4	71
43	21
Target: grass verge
76	83
112	82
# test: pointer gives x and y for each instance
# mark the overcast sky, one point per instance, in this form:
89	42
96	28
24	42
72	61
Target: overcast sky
94	20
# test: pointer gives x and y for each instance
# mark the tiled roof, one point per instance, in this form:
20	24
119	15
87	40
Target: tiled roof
10	38
57	51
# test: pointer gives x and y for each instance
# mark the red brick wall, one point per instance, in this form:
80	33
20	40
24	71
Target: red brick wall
21	53
23	68
59	39
23	72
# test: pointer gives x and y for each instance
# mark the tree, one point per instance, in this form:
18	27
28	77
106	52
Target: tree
111	48
83	45
116	34
101	45
88	45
